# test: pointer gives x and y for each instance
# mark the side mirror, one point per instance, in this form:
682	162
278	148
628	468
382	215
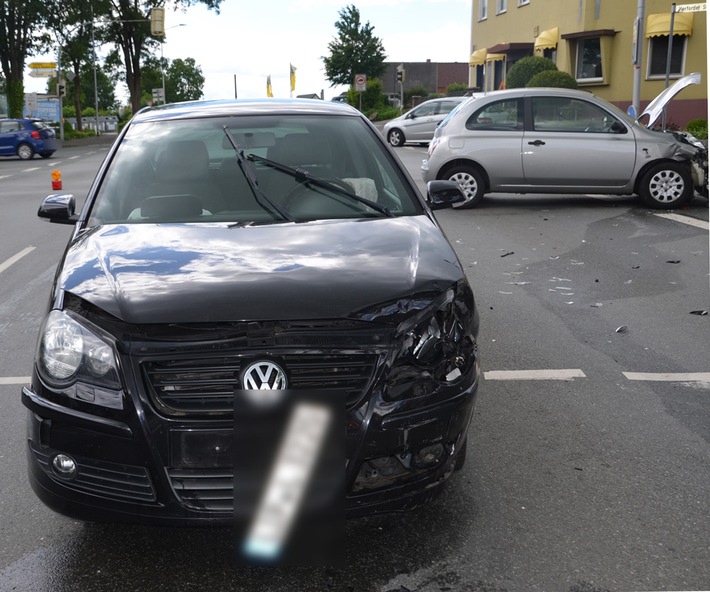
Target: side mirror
59	208
443	194
618	128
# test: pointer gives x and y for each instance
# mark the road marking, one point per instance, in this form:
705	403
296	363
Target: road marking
11	380
569	374
5	176
684	220
15	258
30	170
74	157
669	377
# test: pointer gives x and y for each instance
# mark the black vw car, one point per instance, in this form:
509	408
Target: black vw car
244	277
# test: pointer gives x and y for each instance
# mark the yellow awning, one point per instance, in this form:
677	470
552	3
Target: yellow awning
494	57
478	57
547	39
658	25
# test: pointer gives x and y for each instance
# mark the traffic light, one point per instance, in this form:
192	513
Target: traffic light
157	22
61	91
400	73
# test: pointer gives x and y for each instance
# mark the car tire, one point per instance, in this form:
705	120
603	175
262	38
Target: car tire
666	185
470	181
396	137
25	151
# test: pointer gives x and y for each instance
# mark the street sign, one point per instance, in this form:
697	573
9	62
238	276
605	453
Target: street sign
43	73
701	7
158	95
360	82
43	65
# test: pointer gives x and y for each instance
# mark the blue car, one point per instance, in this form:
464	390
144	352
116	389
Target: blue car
26	137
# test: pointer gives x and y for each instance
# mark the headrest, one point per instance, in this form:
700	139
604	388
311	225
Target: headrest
182	160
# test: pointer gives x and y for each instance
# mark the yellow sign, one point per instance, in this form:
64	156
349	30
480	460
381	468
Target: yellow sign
43	65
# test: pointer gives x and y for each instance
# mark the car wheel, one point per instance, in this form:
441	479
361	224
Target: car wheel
25	152
471	183
395	137
666	185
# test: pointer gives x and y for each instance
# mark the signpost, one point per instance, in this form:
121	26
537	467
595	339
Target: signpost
43	73
43	65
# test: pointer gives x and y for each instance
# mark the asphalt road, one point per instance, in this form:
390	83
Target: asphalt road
588	463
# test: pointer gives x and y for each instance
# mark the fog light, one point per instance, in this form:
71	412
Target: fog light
428	456
64	466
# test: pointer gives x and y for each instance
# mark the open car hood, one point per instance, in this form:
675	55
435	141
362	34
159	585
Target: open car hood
655	108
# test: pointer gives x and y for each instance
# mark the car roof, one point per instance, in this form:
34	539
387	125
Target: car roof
220	108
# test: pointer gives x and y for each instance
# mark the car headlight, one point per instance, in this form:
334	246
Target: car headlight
72	351
437	346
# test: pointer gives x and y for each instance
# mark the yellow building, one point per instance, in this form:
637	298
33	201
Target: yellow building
593	40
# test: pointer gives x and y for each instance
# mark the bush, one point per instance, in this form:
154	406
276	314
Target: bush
524	69
456	88
698	128
552	78
384	114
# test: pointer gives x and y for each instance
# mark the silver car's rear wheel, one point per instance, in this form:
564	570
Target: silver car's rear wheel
471	183
666	185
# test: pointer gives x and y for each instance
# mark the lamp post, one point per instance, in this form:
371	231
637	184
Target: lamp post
162	65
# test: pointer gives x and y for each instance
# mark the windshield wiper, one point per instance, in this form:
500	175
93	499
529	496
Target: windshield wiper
251	177
305	177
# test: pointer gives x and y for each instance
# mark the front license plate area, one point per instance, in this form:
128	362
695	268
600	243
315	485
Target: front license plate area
201	449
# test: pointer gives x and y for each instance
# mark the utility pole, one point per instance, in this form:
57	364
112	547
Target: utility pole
637	57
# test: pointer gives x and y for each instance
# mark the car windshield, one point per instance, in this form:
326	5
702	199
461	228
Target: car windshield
189	171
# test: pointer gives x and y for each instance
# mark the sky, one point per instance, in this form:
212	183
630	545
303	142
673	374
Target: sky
253	39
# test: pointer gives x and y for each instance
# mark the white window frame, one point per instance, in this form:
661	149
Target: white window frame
590	79
523	2
482	10
501	6
662	76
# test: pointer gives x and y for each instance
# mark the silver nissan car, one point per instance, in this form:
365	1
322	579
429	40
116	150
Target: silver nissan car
551	140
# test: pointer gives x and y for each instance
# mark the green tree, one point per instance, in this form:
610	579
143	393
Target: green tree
552	79
355	51
524	69
129	31
20	20
183	79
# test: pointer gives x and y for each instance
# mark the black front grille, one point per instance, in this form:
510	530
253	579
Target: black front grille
106	479
211	489
205	385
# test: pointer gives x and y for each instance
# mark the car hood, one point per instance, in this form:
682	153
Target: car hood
146	273
654	110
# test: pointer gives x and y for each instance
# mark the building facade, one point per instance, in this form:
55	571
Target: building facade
594	41
433	76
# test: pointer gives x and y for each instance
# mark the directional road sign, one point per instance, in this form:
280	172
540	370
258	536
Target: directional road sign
43	65
700	7
43	72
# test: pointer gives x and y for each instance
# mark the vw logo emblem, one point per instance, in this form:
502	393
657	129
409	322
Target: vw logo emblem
264	376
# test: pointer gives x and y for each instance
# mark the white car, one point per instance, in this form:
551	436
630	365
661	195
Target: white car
419	124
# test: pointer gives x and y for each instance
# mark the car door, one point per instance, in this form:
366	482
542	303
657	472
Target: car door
8	133
572	142
422	121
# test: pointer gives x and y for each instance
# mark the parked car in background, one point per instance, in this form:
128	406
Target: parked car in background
26	137
418	124
235	262
537	140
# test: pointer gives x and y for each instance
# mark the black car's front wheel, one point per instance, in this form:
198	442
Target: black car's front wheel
666	185
471	182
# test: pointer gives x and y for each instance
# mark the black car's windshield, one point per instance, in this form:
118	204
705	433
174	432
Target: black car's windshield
188	171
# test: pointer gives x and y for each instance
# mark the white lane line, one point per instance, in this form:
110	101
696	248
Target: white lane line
11	380
30	170
5	176
684	220
15	258
74	157
669	377
564	374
